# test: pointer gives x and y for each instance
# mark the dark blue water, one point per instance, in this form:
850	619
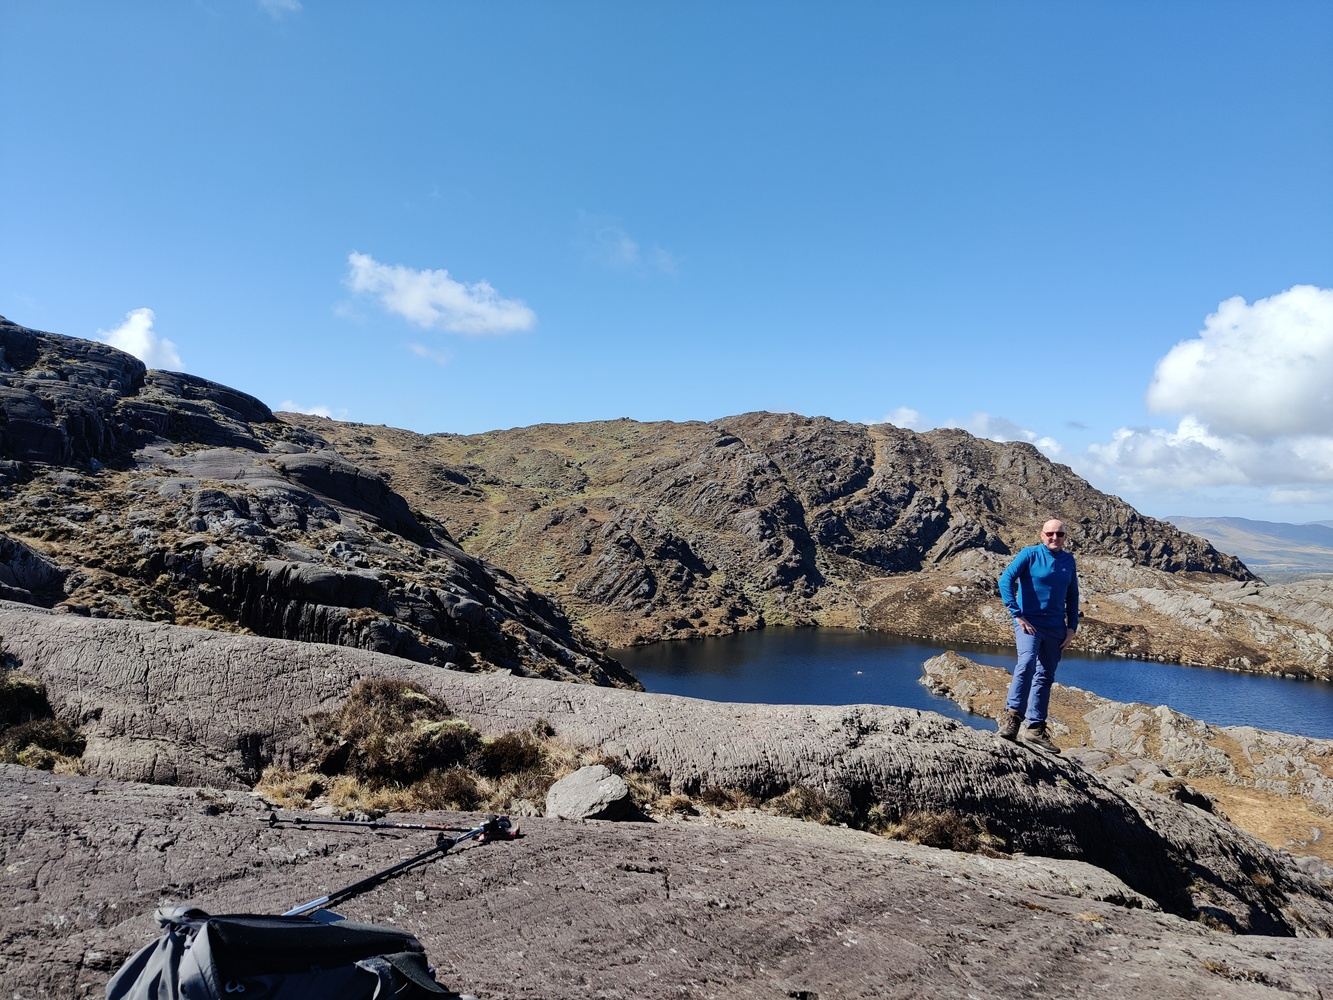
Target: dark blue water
846	667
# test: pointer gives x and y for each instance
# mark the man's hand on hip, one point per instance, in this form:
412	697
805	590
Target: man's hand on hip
1025	625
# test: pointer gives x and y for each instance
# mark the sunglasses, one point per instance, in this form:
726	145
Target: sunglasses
1054	534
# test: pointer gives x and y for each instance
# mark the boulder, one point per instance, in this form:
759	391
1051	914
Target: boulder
593	792
28	576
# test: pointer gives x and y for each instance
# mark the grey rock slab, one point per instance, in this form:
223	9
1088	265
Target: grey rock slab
593	792
188	706
604	910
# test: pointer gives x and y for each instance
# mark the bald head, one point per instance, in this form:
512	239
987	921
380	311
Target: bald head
1053	535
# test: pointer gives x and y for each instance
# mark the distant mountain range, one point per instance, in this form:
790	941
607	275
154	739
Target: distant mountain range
1273	549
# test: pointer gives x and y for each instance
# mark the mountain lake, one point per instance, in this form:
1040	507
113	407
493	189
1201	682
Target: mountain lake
828	666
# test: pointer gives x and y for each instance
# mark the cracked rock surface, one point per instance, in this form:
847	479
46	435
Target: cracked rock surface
764	909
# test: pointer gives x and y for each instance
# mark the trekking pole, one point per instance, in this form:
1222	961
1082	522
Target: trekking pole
369	824
495	828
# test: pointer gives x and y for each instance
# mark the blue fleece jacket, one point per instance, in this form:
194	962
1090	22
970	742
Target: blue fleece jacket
1042	586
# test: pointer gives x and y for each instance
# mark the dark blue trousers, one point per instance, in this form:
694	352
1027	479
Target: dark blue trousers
1034	673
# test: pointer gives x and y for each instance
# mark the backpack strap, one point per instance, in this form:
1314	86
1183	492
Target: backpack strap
400	971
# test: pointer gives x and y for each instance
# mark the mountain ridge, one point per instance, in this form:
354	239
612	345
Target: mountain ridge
161	496
655	530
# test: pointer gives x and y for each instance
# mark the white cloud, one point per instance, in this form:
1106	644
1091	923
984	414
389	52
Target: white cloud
993	428
1301	497
905	416
1185	458
1192	455
136	336
278	9
440	358
318	410
1256	391
604	241
615	246
981	424
433	299
1262	370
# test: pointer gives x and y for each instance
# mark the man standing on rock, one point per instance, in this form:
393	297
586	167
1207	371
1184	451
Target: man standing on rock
1040	589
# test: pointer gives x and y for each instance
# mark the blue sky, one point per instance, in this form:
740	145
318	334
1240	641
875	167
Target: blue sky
1104	228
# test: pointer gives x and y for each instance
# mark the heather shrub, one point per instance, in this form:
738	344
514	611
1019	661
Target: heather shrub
726	797
390	732
22	699
508	753
454	788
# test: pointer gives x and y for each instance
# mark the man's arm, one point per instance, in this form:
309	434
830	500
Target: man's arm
1009	589
1071	609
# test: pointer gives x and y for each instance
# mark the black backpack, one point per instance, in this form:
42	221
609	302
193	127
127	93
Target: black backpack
250	957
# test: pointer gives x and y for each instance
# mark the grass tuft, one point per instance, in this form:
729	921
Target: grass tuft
30	735
947	829
813	805
392	747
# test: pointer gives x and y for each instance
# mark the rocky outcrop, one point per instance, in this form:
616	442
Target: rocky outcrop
28	576
1277	786
191	706
779	909
59	395
666	530
66	401
155	495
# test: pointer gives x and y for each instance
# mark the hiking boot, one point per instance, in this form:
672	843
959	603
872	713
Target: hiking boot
1038	736
1008	722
